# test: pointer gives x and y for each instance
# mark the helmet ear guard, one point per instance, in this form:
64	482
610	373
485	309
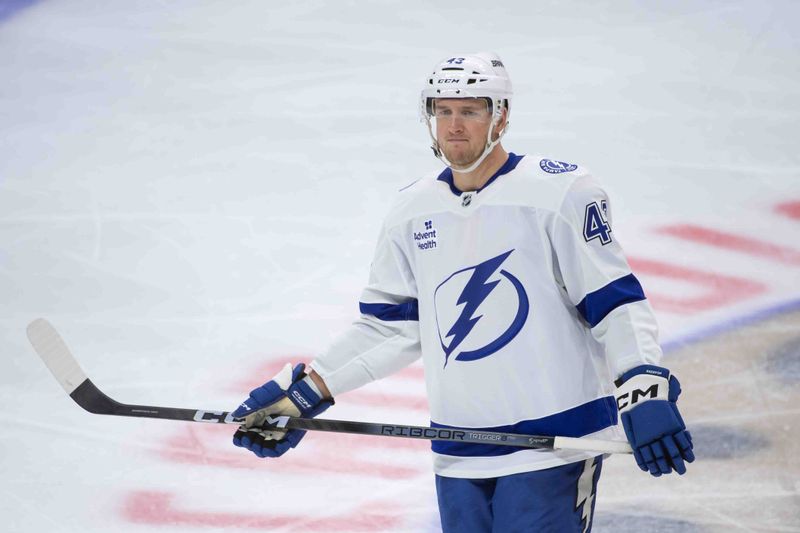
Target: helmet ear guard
481	75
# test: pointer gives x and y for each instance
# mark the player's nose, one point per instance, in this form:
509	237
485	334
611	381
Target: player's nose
455	125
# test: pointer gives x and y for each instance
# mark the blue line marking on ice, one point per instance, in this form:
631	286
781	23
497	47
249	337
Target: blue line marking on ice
9	8
730	324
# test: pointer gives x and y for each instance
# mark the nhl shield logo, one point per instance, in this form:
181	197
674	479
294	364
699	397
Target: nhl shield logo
479	310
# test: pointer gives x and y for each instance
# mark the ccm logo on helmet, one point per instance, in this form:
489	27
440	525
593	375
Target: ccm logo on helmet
635	395
448	80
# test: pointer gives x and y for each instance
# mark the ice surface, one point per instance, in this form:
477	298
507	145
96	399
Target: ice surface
191	191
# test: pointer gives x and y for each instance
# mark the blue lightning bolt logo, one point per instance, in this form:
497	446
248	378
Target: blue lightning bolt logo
477	289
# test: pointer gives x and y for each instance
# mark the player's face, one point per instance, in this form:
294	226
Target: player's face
461	128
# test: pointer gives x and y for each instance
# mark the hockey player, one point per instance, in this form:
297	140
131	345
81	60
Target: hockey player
503	273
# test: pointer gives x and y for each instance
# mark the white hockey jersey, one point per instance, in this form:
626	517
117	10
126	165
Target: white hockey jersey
521	303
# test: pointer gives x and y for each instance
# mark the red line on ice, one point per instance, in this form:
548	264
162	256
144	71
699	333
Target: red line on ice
334	456
157	508
730	241
266	370
720	290
789	209
380	399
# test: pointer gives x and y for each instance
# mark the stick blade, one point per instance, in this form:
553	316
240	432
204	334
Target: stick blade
54	352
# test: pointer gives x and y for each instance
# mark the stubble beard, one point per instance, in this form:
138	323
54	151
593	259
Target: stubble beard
461	157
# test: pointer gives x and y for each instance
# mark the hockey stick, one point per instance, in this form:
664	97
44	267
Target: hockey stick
54	352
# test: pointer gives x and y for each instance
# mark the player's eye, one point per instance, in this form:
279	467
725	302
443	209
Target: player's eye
473	114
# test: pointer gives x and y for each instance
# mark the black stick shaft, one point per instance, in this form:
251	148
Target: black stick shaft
421	432
56	355
91	398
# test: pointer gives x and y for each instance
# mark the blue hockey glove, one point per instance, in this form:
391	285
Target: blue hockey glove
291	393
646	397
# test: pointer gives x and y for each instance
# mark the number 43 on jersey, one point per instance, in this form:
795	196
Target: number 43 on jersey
595	223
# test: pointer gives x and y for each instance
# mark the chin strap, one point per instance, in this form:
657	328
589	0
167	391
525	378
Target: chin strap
490	144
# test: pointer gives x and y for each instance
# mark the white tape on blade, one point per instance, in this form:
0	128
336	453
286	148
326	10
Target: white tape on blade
55	354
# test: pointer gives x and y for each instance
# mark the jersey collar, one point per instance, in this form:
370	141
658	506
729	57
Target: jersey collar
510	164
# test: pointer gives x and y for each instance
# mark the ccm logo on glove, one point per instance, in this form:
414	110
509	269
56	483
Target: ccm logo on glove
302	401
646	396
640	388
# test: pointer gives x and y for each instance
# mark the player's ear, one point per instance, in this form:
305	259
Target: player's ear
504	120
501	123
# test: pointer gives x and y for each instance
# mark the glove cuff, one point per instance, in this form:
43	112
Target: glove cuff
307	397
653	370
640	384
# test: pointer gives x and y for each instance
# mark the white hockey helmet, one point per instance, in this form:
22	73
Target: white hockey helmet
480	75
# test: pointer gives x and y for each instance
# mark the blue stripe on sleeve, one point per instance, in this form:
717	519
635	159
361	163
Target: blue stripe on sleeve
596	305
576	422
392	312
